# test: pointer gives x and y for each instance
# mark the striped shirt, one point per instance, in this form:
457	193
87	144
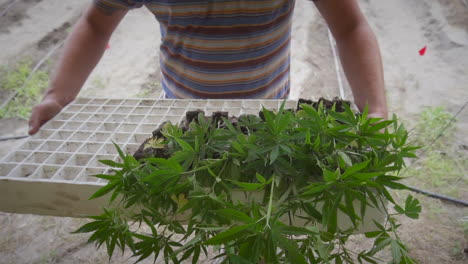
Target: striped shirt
221	48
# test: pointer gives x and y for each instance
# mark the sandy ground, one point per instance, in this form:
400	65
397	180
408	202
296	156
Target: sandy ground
413	82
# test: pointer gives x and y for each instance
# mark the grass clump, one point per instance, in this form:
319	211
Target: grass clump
28	90
443	167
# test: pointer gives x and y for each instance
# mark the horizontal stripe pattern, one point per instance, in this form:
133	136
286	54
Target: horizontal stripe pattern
220	48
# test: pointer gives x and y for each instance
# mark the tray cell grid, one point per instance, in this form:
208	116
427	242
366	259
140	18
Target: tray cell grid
53	125
90	108
143	110
43	134
95	161
146	128
90	148
79	160
98	101
23	171
116	118
108	149
98	117
72	125
67	173
58	158
50	145
69	147
131	102
80	117
108	127
80	136
5	169
18	156
153	119
124	110
38	157
87	175
126	128
146	103
89	126
73	108
114	102
45	172
61	135
30	145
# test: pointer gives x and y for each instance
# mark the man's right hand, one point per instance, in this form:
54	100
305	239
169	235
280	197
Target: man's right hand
42	113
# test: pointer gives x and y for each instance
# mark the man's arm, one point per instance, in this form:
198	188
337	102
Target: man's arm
359	53
83	49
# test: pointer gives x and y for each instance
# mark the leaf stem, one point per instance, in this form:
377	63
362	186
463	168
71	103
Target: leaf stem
270	204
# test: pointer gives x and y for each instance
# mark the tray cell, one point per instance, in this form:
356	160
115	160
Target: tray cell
116	118
79	160
38	157
146	103
121	138
58	158
50	145
70	146
45	172
108	127
67	173
5	169
130	102
61	135
87	175
126	128
30	145
90	147
80	136
18	156
90	108
72	125
53	124
23	171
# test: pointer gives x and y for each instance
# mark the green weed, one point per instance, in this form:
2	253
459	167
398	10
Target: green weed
29	91
442	168
430	124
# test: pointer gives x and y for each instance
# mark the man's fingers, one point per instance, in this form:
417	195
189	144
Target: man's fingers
42	113
34	121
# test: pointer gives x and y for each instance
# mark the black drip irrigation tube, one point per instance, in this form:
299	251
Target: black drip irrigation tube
439	196
13	138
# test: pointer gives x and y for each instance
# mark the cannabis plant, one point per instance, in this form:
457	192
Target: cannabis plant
259	189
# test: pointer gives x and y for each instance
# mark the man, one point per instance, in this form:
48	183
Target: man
220	49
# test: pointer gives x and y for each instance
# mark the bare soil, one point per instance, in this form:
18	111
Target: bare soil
130	66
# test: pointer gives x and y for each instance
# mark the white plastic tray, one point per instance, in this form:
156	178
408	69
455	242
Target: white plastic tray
49	174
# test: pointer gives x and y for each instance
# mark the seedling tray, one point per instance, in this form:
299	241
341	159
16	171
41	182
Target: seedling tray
50	173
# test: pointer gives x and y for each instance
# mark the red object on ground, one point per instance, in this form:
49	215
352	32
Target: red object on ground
422	51
108	46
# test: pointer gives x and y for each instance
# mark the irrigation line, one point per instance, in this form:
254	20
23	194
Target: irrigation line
438	196
13	138
38	65
9	6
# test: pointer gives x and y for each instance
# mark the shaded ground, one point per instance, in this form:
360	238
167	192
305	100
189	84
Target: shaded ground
413	83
